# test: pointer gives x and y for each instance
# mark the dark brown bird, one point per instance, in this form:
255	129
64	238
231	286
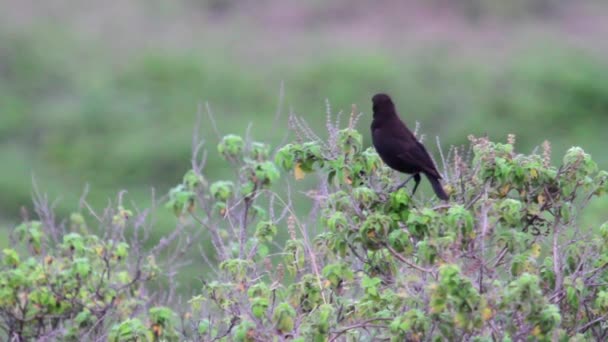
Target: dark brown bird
399	148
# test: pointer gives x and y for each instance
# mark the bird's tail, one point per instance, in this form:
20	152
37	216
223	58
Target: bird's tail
437	187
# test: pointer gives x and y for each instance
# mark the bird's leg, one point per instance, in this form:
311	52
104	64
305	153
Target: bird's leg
404	183
417	180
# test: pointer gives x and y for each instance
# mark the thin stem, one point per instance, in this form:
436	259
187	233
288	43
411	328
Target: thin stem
557	267
364	324
407	262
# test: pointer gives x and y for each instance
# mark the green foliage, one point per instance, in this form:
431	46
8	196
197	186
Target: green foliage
265	231
130	330
454	302
161	328
222	190
162	323
231	147
337	274
283	317
506	258
82	282
414	324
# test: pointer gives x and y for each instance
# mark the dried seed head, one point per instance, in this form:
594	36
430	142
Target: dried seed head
268	265
484	143
291	124
351	120
483	140
457	160
24	214
511	139
328	124
291	226
280	272
459	164
546	153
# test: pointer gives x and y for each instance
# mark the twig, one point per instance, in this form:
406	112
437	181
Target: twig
500	256
405	261
216	239
443	160
212	119
557	267
590	324
484	232
279	111
364	324
243	237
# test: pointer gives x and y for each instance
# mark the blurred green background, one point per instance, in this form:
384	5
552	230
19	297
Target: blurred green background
107	92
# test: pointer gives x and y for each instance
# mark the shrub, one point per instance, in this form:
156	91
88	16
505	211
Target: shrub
59	280
504	259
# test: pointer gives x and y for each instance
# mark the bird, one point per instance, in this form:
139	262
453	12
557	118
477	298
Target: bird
398	147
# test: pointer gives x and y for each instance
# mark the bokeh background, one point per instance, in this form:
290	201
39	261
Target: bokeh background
107	92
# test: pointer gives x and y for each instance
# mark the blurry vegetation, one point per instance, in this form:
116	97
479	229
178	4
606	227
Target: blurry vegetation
78	110
480	9
129	127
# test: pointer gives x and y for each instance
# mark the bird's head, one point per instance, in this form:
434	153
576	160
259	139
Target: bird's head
382	104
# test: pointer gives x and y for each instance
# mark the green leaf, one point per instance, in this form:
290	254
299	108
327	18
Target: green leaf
74	242
129	330
294	255
192	180
375	229
511	211
265	231
263	250
266	173
601	301
161	315
370	285
81	267
283	317
231	146
259	305
400	241
11	258
337	221
287	155
350	141
122	251
222	190
258	290
203	327
337	274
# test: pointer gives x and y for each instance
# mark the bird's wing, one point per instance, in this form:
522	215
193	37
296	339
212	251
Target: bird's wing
402	144
422	158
